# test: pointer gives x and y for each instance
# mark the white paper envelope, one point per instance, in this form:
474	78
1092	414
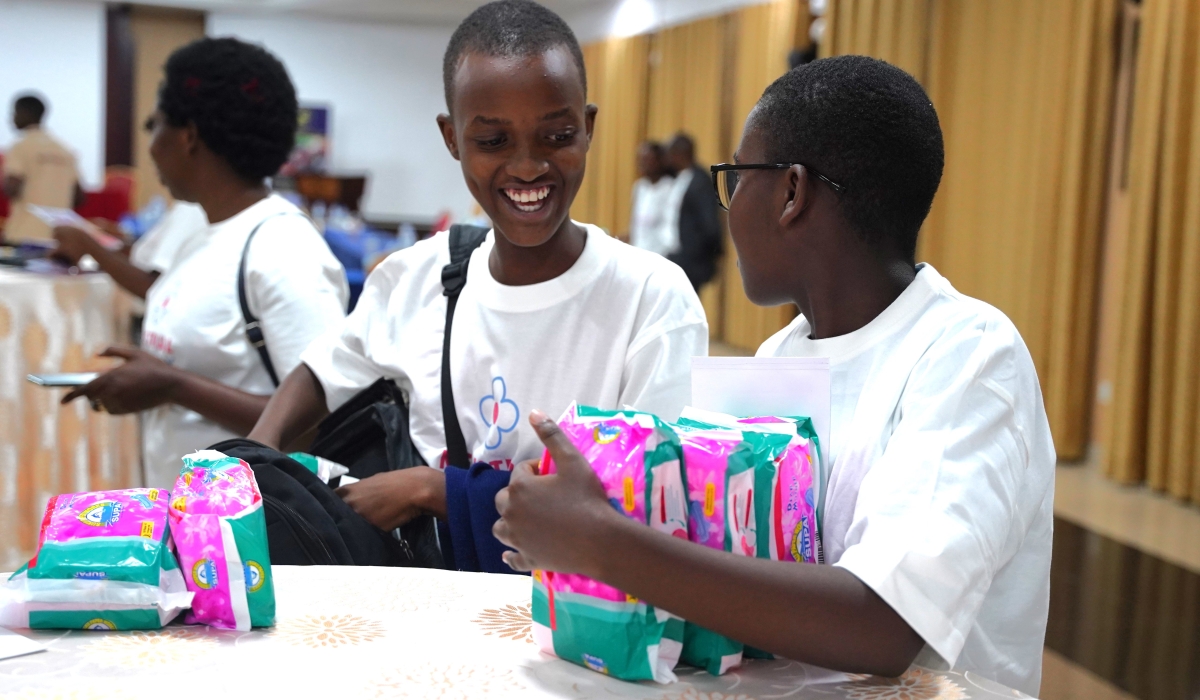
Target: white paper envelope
765	386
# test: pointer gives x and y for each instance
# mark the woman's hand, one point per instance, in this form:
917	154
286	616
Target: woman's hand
391	499
142	383
73	243
554	522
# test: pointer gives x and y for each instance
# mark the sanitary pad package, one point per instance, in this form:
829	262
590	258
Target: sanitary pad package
103	562
776	481
220	532
712	459
637	458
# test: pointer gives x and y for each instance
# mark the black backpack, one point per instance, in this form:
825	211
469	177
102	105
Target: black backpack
307	523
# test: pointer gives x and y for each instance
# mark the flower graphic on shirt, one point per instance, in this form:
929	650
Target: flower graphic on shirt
499	413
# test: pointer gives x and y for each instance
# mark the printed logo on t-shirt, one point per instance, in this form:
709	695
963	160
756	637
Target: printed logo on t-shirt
499	413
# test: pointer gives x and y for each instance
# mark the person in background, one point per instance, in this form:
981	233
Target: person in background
225	122
651	223
697	228
180	231
37	170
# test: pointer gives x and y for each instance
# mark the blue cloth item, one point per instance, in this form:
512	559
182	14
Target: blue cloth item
471	512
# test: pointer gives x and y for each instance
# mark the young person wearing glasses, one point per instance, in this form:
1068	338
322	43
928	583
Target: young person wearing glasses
939	509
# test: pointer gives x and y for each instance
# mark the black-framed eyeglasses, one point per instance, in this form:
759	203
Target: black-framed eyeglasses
725	178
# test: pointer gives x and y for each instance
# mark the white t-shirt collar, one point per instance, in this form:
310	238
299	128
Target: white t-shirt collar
845	347
534	297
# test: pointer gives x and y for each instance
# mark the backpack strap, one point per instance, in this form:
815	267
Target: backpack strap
252	328
463	241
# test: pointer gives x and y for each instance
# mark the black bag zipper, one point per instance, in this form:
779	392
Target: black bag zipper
294	522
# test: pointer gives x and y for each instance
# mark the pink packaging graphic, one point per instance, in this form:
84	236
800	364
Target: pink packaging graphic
220	534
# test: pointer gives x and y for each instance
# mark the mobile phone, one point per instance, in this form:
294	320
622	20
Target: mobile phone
63	379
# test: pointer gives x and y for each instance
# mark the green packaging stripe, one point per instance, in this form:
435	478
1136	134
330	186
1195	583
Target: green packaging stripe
133	559
250	535
103	620
612	642
705	649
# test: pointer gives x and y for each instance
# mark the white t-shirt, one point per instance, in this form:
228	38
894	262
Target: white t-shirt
618	328
294	286
172	239
941	497
650	225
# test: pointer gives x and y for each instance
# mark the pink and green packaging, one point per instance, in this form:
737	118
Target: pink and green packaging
637	458
220	532
713	458
103	562
772	487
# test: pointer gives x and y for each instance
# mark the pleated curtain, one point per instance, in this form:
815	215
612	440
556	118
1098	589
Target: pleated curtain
1023	90
1156	391
765	35
617	72
686	91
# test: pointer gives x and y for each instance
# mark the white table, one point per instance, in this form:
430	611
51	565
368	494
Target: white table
345	632
56	323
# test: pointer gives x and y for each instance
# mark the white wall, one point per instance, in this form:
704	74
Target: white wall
56	48
384	84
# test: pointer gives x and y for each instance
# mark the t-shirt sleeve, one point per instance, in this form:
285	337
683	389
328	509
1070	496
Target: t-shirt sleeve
159	249
939	513
340	358
658	367
295	287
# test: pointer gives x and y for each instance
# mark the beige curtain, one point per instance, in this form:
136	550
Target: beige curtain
617	74
1023	90
896	31
1156	398
686	93
765	35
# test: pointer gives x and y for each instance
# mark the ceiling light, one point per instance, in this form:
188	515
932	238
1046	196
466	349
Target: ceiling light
633	17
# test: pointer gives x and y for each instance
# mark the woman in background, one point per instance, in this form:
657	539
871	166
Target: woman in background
225	122
651	226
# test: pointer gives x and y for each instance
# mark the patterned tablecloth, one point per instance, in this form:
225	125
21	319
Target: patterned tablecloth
413	633
56	323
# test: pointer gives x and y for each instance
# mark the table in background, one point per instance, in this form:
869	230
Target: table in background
357	632
56	323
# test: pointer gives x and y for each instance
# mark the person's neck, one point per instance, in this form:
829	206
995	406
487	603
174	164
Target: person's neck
515	266
227	198
843	297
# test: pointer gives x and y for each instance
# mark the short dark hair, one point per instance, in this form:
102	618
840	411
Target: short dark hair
682	143
509	28
240	98
868	126
655	147
30	105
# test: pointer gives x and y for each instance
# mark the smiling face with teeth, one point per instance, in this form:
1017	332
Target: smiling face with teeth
521	128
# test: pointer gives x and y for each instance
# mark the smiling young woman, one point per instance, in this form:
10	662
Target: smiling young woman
553	311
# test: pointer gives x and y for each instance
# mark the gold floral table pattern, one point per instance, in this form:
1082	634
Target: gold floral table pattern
56	323
346	632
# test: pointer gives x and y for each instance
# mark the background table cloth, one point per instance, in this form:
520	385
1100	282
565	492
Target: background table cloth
56	323
358	632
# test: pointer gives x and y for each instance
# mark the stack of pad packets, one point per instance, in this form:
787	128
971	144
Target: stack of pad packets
743	485
136	558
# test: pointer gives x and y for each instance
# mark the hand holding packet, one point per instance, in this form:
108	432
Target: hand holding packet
637	458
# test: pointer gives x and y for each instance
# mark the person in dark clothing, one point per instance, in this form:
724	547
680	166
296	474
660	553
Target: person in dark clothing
699	229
